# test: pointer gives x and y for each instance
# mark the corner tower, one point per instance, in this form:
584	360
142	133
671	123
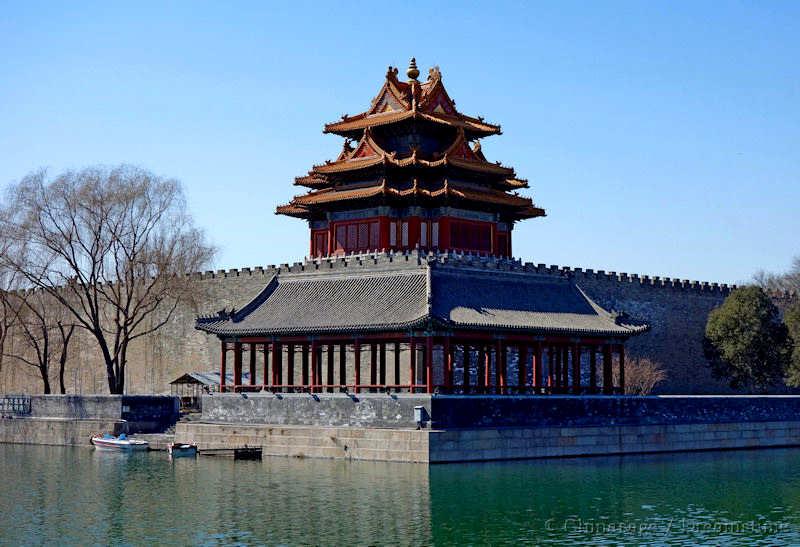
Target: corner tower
411	174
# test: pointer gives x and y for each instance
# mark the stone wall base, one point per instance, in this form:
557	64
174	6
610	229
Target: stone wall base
486	444
56	431
396	445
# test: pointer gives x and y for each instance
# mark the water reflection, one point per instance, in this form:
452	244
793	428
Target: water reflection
76	496
737	497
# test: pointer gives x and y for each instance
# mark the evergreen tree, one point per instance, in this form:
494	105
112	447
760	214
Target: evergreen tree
746	342
792	320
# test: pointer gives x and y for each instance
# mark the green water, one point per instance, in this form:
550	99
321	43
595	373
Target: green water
54	495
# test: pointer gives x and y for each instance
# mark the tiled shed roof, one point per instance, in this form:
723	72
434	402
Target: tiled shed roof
370	296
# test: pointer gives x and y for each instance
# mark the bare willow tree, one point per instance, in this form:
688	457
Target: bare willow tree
8	305
111	245
43	332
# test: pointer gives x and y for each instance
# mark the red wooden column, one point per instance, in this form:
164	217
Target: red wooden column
466	366
500	365
412	367
304	363
448	364
622	368
277	376
429	363
522	367
592	369
576	368
608	387
480	372
373	364
265	375
343	365
487	368
397	364
382	364
223	366
357	364
555	358
290	365
537	366
565	367
315	365
330	381
237	365
252	364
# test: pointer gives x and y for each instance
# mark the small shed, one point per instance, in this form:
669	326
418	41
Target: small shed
190	386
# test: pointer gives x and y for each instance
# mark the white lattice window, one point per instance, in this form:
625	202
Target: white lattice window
404	234
435	235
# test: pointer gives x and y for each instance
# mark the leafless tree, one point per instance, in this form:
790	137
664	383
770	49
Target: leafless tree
787	281
9	283
111	245
642	376
43	335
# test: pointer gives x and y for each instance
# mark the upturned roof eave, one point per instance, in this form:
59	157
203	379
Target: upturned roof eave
227	331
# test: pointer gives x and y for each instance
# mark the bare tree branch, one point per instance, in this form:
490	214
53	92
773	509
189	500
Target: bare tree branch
112	246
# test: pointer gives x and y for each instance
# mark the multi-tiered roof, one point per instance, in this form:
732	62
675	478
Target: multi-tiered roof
412	147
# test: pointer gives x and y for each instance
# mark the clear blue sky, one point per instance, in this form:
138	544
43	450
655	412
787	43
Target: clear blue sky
662	138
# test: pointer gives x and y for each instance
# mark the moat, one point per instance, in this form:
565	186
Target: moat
76	496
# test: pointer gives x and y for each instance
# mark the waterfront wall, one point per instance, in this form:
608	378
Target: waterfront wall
142	413
323	409
71	420
379	410
397	445
676	309
462	445
482	428
56	431
487	444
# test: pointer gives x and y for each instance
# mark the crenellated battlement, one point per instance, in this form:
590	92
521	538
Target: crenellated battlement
471	260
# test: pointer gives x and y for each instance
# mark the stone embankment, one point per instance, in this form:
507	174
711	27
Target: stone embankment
482	428
71	420
453	429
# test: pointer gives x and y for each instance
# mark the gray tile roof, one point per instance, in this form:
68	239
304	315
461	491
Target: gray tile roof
365	295
206	378
502	300
330	303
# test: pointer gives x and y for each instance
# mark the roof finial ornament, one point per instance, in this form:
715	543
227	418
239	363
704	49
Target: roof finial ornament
413	71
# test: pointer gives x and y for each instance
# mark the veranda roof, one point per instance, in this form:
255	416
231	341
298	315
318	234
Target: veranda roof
397	293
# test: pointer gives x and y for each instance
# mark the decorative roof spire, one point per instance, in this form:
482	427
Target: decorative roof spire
413	71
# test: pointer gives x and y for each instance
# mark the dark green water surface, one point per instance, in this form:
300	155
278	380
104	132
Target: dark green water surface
62	496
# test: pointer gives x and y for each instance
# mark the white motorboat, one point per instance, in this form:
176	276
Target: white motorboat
118	444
